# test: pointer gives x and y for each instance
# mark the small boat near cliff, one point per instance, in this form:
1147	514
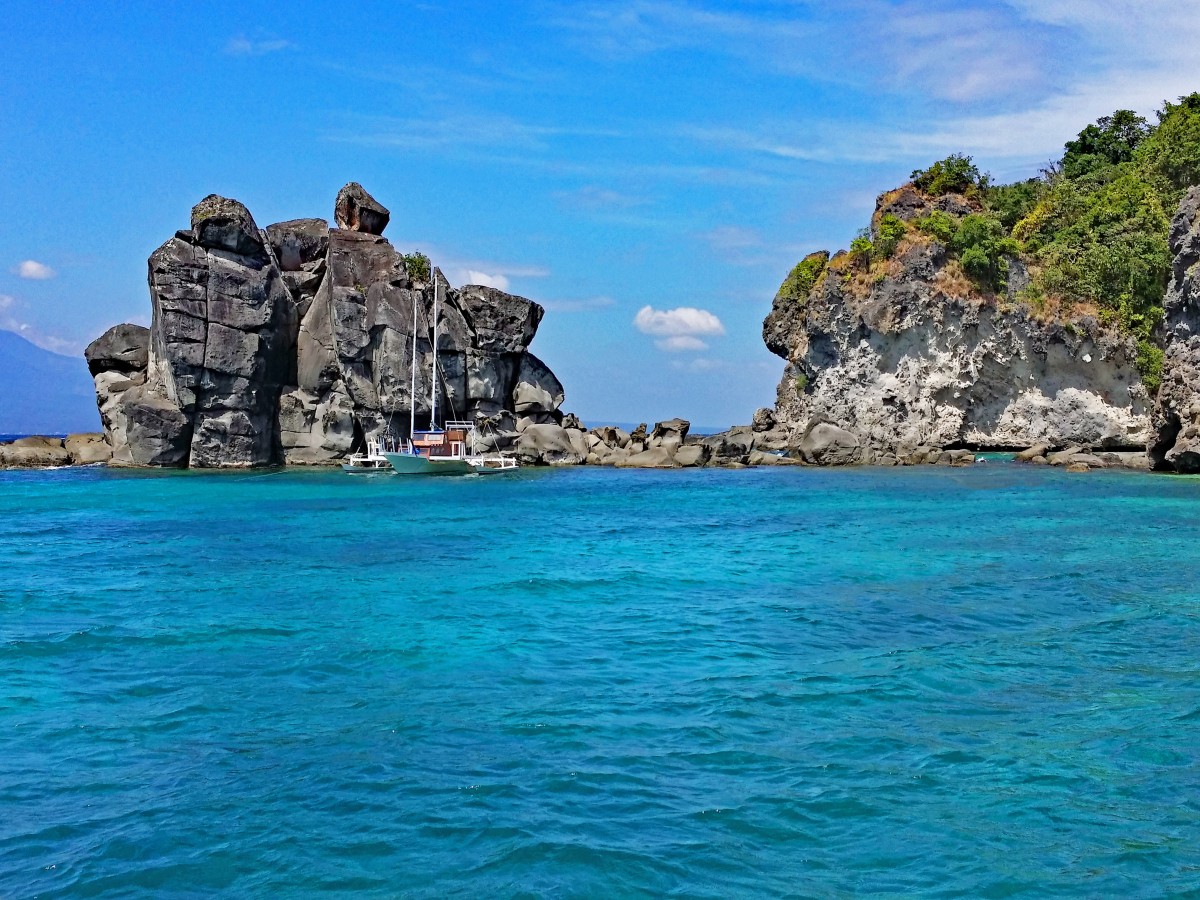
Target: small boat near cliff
440	451
447	452
373	460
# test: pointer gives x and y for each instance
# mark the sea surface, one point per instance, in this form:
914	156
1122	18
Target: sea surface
597	683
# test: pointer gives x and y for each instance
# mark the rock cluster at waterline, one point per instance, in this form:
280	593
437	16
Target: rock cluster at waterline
294	344
888	363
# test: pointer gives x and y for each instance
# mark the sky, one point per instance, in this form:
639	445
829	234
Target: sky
647	170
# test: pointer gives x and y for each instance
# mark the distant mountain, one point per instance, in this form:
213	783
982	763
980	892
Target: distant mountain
43	392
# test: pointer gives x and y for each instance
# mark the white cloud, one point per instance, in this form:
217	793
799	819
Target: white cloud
33	270
488	279
681	343
678	330
490	274
244	46
6	301
678	322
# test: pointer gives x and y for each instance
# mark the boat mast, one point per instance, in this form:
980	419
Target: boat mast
433	388
412	390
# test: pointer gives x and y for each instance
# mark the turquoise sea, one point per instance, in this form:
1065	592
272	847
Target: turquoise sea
596	683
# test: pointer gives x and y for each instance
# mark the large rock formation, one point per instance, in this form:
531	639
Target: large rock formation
911	356
295	344
1176	440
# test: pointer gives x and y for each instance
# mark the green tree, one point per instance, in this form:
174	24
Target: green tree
804	276
1171	154
888	234
956	174
418	266
1110	141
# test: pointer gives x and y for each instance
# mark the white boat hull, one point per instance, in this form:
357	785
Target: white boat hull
409	464
355	469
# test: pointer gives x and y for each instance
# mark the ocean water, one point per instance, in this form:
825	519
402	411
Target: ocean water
597	683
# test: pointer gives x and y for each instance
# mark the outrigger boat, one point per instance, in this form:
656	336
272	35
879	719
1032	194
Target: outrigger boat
373	460
440	451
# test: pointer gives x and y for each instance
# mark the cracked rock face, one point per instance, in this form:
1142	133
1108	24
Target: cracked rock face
356	210
913	360
1175	444
295	344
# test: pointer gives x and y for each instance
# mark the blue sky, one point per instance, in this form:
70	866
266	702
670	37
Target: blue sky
600	158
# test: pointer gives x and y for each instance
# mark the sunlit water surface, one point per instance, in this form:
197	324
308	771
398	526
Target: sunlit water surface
600	683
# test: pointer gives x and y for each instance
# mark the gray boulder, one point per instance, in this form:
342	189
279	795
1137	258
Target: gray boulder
537	389
34	453
356	210
219	223
123	348
1030	453
548	445
654	458
298	243
87	449
691	455
764	419
827	444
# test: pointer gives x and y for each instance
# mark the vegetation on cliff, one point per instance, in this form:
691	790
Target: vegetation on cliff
1091	229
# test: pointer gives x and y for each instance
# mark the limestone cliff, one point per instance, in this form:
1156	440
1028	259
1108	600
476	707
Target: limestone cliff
295	343
1176	440
907	353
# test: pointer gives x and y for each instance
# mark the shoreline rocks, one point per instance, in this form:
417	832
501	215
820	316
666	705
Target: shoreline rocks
909	353
40	452
294	345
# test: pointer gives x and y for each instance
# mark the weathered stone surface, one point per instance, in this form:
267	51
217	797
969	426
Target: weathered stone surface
736	443
219	223
675	430
123	348
1062	457
1175	442
356	210
570	420
87	449
915	358
537	389
764	419
500	322
34	453
654	458
826	444
612	436
297	344
1031	452
298	243
549	445
146	429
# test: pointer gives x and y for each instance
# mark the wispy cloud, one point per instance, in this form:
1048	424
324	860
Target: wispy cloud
942	48
244	46
574	306
593	197
31	333
33	270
